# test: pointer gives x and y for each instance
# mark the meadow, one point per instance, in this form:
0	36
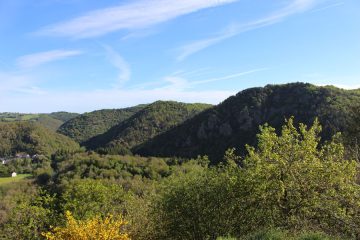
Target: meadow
18	178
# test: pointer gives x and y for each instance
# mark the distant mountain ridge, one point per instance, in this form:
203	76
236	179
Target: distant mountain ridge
51	121
168	128
235	122
147	123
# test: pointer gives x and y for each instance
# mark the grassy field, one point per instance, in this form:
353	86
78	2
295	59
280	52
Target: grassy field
5	180
10	117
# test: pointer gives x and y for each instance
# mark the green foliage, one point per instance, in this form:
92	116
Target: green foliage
31	138
275	234
289	182
271	234
198	205
149	122
4	171
315	236
88	198
352	132
92	165
29	211
88	125
114	148
296	183
234	122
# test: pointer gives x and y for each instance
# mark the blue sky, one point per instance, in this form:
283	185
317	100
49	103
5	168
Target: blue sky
83	55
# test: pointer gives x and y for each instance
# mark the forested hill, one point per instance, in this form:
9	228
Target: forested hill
32	138
51	121
235	122
88	125
154	119
63	116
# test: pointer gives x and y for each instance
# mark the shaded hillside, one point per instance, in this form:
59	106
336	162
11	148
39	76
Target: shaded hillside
88	125
235	122
32	138
48	122
51	121
147	123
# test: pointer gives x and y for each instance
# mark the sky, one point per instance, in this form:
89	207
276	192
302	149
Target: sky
84	55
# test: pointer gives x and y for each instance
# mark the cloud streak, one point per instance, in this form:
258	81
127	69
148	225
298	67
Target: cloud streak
17	84
134	15
120	64
337	4
231	76
36	59
295	7
179	81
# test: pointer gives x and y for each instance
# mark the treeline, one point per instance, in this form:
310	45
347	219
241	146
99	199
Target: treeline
290	186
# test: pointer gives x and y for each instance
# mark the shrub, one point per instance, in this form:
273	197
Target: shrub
107	228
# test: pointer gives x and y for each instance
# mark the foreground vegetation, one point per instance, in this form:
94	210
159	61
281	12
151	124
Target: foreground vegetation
284	180
290	186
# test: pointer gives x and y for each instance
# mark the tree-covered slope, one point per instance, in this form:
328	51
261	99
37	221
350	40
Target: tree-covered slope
88	125
63	116
32	138
154	119
235	122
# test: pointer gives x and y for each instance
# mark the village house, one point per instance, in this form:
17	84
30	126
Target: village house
22	155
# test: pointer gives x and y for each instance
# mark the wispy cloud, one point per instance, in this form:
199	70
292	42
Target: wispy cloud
231	76
121	65
134	15
336	4
296	6
11	81
175	83
179	81
36	59
17	83
199	45
193	73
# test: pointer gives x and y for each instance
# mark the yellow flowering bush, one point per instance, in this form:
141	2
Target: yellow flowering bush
95	228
